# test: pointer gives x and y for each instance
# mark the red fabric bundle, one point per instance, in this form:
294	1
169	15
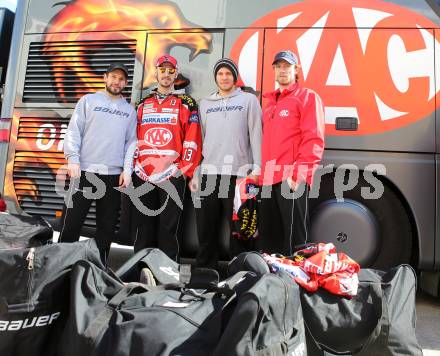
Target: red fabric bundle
335	272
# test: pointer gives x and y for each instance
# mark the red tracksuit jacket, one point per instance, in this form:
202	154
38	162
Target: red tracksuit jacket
169	137
293	135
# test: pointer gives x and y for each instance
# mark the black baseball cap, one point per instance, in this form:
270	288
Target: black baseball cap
288	56
115	66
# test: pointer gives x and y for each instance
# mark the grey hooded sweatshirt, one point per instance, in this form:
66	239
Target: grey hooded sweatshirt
101	135
231	131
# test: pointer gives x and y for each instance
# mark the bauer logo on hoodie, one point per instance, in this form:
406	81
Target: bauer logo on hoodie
224	108
111	111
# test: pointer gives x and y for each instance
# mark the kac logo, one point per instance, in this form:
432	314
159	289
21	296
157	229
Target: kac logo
158	137
284	113
369	59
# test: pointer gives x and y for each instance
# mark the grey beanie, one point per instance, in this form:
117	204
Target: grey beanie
228	63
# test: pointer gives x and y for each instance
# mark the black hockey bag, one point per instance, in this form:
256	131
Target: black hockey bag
109	317
34	295
379	321
267	319
21	231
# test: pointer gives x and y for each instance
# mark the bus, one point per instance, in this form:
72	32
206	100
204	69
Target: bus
373	62
6	22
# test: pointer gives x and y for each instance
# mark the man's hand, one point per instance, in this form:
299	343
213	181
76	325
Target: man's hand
293	185
74	170
124	180
193	184
253	177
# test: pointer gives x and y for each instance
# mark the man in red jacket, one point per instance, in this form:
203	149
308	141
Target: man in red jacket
292	147
169	149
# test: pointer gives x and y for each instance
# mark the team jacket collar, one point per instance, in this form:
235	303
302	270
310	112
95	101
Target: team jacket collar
272	96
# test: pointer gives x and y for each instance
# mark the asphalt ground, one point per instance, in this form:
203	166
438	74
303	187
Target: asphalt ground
428	323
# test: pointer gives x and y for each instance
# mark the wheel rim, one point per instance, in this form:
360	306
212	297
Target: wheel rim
350	226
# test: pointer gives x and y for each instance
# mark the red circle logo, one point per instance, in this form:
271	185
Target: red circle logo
158	137
366	58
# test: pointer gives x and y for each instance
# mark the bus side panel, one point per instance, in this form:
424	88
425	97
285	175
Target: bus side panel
437	213
148	14
35	178
437	160
414	176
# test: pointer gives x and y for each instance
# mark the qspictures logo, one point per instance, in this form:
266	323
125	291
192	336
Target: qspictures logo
370	59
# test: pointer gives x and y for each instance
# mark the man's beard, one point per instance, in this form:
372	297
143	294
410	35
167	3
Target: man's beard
113	91
166	83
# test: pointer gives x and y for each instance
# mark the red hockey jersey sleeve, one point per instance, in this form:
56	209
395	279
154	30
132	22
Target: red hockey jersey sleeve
192	143
311	148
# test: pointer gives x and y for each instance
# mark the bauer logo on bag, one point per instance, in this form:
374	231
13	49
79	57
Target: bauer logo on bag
36	321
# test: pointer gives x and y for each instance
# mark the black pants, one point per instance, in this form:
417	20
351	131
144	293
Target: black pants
107	209
283	220
213	208
159	226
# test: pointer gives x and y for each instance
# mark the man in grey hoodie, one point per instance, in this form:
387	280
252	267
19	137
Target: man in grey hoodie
99	145
231	132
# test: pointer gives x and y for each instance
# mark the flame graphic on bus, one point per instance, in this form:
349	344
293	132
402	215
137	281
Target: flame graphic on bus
122	20
37	150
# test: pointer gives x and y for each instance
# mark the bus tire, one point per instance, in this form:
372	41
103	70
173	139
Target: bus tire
389	241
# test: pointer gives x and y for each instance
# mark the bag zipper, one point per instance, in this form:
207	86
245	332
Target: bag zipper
30	258
286	300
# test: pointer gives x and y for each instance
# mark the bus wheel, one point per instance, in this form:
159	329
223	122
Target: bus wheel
374	232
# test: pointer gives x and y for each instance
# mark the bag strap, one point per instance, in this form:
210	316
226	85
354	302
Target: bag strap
380	333
96	327
184	288
4	306
184	273
190	290
235	279
282	348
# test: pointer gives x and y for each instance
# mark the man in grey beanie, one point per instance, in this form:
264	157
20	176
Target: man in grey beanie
230	65
231	133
